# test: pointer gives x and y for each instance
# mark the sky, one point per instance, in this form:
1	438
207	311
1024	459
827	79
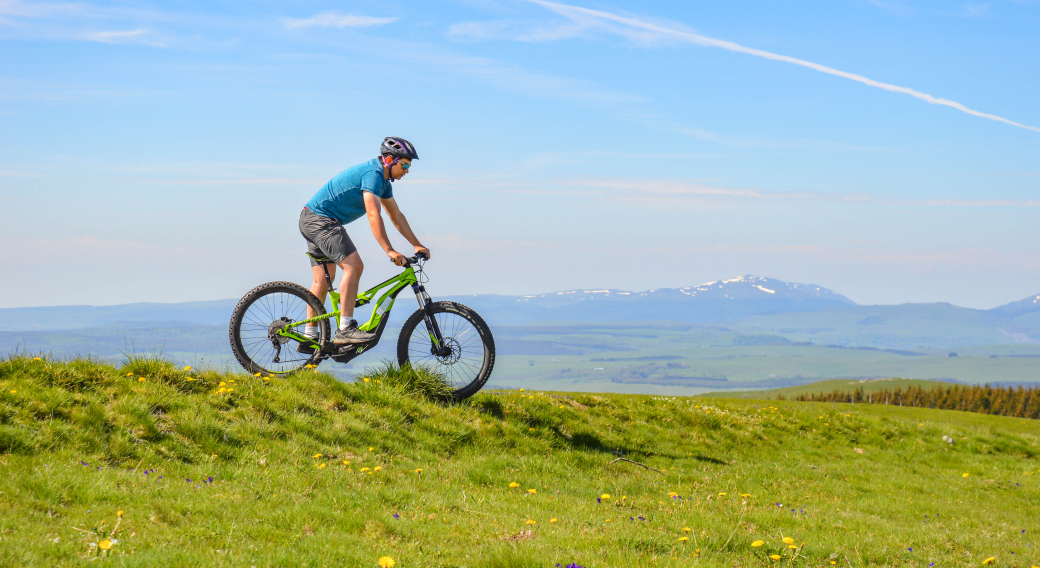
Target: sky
887	150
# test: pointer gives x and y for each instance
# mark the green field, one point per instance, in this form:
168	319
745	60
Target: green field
213	469
824	387
687	360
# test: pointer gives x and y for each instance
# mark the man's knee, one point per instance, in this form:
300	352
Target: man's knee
353	264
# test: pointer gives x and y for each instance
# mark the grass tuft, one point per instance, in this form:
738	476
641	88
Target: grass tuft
413	380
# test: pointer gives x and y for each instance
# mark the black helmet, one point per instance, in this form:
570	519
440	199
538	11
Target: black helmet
398	148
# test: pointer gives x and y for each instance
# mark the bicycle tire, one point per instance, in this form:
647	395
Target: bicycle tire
262	309
463	372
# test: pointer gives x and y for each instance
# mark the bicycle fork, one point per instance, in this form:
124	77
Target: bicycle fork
425	304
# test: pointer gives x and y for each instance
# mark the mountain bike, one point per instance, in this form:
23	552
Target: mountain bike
446	337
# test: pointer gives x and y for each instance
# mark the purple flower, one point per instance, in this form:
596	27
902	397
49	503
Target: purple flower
396	516
188	480
83	462
598	500
641	518
146	472
210	479
910	549
779	504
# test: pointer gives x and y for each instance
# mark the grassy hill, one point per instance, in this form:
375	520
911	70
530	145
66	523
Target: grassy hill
164	466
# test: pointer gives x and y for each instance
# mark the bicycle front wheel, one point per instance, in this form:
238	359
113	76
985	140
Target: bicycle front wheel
259	316
466	356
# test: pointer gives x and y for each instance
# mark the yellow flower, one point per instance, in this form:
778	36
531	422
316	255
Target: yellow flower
605	496
140	379
370	448
788	540
757	544
775	556
14	391
104	544
530	429
745	495
222	384
385	562
552	520
964	474
267	378
722	494
36	359
257	375
367	380
529	521
684	538
514	485
686	529
188	368
364	469
418	470
377	468
521	390
129	374
989	560
189	379
119	514
833	562
346	462
320	465
792	546
673	494
532	491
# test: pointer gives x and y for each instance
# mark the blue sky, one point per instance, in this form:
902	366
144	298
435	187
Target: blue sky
162	151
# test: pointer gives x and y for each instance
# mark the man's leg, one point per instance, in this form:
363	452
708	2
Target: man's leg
319	287
348	286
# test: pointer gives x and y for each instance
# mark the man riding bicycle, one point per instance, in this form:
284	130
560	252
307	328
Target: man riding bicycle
364	189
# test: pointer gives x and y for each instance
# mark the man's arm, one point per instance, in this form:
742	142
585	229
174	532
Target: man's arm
375	221
399	221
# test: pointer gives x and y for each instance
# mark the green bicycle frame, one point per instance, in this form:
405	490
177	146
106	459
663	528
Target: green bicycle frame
386	301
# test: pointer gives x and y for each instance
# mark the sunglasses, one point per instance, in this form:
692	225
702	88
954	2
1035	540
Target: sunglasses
405	165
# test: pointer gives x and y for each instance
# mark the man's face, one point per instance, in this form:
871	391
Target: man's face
400	169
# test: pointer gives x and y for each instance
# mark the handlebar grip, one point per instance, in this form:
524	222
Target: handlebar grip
422	255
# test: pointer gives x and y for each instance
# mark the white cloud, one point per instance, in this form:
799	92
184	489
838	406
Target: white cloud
645	32
117	37
336	20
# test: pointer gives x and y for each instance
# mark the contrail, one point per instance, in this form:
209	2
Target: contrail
570	11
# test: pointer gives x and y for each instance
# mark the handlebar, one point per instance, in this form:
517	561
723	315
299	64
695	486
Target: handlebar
410	260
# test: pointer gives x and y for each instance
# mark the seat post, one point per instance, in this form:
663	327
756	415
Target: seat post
328	279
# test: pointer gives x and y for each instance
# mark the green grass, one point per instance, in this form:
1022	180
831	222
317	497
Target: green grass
858	486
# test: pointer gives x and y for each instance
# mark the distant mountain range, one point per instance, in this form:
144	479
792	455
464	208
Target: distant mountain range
746	304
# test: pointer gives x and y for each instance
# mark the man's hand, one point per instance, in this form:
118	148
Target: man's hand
422	249
396	257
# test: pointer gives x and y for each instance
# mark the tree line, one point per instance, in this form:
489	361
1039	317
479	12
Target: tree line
1003	401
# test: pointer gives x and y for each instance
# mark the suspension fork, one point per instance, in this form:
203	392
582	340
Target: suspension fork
425	304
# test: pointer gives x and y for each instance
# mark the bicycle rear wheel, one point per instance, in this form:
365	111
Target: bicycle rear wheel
258	317
469	349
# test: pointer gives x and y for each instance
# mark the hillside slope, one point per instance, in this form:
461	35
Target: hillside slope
211	469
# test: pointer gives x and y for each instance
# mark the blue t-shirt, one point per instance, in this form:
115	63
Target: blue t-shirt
341	198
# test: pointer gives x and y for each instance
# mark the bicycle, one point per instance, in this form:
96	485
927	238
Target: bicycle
453	340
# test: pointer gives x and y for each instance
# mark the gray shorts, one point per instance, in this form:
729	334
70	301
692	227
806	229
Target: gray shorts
325	237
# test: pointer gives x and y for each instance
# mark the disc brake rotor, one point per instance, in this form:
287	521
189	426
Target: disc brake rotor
454	352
